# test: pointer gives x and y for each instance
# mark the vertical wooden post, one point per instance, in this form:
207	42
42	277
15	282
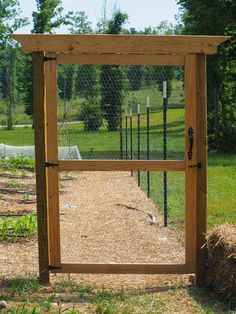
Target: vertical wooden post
201	172
39	125
52	160
191	162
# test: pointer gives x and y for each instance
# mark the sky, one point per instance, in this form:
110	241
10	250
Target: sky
141	13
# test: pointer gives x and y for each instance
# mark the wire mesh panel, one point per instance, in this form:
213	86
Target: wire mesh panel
99	108
106	218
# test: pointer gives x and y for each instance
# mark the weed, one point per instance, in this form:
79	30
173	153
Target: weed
47	306
23	286
13	183
27	197
108	302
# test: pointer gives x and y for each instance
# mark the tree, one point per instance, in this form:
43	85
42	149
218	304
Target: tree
9	23
79	23
112	79
87	81
66	81
86	76
48	16
135	76
217	18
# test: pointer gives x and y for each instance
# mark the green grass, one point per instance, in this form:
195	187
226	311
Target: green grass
26	296
221	191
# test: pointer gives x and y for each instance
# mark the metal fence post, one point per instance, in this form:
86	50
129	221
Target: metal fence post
165	104
126	135
131	137
148	143
138	142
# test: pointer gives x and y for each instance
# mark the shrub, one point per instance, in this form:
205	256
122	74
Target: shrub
91	115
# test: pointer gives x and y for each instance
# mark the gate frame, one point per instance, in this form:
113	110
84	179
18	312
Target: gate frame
187	51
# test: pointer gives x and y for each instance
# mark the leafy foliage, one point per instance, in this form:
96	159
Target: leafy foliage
17	163
201	17
14	227
87	81
66	81
91	115
79	23
9	21
48	16
112	79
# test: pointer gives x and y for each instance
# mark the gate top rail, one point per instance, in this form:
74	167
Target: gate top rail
106	43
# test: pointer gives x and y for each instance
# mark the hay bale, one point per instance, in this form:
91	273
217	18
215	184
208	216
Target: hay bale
221	261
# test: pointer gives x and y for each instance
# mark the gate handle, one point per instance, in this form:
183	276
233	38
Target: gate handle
191	141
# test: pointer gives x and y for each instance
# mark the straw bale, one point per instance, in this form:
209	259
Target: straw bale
221	262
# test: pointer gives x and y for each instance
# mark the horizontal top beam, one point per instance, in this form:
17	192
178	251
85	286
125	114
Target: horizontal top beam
143	44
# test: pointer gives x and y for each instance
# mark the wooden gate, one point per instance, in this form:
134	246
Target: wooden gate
187	51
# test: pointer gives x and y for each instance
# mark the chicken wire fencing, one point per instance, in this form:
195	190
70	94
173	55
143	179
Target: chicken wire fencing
124	112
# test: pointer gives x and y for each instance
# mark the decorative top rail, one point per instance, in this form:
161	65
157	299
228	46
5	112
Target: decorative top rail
143	44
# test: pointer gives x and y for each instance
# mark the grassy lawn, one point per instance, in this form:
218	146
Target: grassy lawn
71	297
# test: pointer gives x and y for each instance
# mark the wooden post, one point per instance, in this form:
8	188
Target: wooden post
52	161
191	163
39	125
201	142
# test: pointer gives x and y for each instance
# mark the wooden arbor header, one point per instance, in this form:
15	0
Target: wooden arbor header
118	44
186	51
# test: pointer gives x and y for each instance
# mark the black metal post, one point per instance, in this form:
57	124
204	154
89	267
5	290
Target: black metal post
131	137
148	144
138	142
165	104
126	135
121	132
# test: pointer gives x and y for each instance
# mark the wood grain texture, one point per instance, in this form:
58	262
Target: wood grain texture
191	170
118	59
122	268
122	165
202	172
52	157
40	154
148	44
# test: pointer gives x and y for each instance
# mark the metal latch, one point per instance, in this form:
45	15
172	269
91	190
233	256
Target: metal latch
49	164
198	165
45	58
51	267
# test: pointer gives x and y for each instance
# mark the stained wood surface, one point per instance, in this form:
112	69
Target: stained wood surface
116	59
52	157
122	165
122	268
202	172
191	169
147	44
40	154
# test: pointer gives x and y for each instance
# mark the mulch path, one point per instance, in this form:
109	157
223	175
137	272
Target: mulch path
105	218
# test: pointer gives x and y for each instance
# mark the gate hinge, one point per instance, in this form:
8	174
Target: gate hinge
45	58
198	165
51	267
49	164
